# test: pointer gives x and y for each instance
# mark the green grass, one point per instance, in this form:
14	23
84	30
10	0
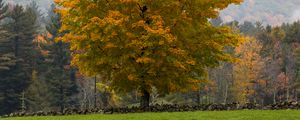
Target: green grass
222	115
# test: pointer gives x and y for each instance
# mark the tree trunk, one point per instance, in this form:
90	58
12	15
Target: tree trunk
296	95
226	94
23	106
61	99
145	99
287	94
274	97
198	98
95	92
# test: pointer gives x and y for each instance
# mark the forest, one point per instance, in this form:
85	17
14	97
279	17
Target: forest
87	54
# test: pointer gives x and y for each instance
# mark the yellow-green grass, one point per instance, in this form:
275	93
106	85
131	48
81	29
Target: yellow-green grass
201	115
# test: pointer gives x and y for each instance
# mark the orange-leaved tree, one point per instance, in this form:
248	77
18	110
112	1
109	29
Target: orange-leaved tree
140	44
247	70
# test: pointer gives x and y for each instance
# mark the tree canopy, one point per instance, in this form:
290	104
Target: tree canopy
140	44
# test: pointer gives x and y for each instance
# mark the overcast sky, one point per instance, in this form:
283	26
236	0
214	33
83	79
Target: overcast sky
272	12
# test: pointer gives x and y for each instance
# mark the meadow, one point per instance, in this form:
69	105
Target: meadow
199	115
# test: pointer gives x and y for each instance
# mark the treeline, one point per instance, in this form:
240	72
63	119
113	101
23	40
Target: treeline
35	69
36	72
267	69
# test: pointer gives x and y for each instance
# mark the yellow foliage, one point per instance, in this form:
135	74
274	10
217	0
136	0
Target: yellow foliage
180	65
247	69
191	62
162	42
145	60
177	51
131	77
109	45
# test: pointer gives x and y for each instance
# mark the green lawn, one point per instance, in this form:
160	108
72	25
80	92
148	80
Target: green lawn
223	115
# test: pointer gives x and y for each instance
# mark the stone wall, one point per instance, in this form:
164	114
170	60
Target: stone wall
163	108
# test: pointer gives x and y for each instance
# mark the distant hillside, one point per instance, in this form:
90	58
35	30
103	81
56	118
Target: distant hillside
272	12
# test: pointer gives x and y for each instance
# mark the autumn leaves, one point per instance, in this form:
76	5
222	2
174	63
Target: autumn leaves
158	49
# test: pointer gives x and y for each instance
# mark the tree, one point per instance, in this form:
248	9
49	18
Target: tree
3	10
296	85
247	71
21	27
142	44
60	77
247	28
36	95
274	53
7	59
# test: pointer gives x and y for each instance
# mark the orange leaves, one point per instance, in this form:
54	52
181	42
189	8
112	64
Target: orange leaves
191	62
127	1
177	51
95	19
40	39
139	23
180	65
67	3
247	69
71	4
95	36
145	60
131	77
249	53
109	45
58	1
68	37
115	18
156	27
49	36
169	37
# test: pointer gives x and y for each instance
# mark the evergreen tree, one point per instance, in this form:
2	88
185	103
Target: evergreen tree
61	77
247	28
3	10
37	93
4	57
14	81
7	61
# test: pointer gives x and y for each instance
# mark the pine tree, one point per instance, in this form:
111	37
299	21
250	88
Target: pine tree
60	78
37	97
7	62
22	28
3	10
5	58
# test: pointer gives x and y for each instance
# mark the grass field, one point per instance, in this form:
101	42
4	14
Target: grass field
222	115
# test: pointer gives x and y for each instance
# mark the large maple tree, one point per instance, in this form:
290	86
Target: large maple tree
140	44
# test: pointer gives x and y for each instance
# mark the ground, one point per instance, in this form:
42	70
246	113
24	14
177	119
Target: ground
215	115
